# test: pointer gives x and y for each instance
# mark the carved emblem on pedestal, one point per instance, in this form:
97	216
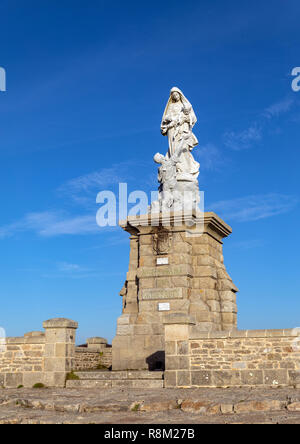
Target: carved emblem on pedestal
162	241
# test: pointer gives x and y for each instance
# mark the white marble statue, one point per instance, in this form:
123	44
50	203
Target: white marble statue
178	173
177	123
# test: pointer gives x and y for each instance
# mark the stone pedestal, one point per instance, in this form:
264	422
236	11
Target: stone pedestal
176	266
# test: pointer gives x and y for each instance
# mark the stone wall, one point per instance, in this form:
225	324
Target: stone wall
86	359
224	359
47	357
39	357
22	360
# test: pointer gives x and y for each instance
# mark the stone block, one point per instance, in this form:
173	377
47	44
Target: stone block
159	294
125	330
183	347
55	364
170	348
205	271
146	261
227	409
33	334
275	333
142	375
229	318
201	249
146	250
201	378
226	284
182	281
214	306
170	378
227	296
240	365
228	307
60	323
207	283
183	378
275	377
166	271
55	379
31	378
145	329
177	362
294	377
226	378
13	380
176	332
148	384
164	282
253	377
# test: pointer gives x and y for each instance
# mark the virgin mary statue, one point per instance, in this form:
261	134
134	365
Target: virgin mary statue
177	123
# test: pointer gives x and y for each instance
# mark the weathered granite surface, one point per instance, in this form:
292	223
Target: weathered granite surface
155	406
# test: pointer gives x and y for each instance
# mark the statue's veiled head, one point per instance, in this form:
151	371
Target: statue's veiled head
175	96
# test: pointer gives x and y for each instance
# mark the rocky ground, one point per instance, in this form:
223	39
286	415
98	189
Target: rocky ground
150	406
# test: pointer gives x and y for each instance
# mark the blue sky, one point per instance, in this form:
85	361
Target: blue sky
87	82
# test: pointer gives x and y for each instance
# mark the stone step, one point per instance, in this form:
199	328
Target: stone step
127	378
117	383
120	375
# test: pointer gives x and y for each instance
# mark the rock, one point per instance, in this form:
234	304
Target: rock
214	410
226	409
159	406
259	406
294	407
193	406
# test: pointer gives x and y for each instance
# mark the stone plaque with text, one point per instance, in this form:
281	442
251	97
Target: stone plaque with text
161	293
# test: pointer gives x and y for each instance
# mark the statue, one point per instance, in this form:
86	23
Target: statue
178	173
177	123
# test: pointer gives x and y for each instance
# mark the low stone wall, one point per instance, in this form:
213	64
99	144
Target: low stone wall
39	357
227	359
95	354
47	357
22	360
86	359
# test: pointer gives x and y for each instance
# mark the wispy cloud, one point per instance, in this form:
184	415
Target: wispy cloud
73	271
96	179
84	189
252	208
70	225
248	244
65	270
50	224
278	108
249	137
210	157
67	267
243	140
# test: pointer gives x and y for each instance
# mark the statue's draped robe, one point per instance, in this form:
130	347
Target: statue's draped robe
181	117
